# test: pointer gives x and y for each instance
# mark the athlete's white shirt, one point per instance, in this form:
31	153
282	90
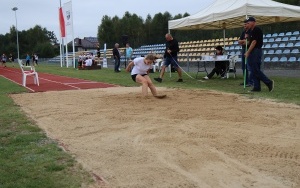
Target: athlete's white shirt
139	66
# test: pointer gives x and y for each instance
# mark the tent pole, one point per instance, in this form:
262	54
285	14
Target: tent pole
224	37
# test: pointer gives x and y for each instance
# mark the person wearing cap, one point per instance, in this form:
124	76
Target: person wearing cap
243	40
117	57
254	56
220	66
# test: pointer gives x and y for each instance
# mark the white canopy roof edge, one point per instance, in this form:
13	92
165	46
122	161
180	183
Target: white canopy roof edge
226	14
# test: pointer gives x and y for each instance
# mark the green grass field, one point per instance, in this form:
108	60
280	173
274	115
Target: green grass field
29	159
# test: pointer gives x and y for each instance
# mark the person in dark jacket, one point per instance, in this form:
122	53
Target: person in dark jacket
117	57
172	49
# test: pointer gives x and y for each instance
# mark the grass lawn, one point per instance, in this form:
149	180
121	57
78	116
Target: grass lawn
29	159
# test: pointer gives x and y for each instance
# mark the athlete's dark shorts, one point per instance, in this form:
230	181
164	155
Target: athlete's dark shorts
134	76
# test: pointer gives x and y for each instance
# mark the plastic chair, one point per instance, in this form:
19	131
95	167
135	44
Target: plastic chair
231	68
157	65
28	71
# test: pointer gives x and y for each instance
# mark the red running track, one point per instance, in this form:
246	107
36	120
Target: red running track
50	82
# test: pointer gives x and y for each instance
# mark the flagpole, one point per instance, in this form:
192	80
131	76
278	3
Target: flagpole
73	43
61	45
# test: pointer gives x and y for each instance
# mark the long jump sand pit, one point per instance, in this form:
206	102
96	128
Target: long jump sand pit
192	138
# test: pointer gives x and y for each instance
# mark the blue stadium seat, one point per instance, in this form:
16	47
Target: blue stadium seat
274	45
274	35
290	44
275	59
268	35
278	52
278	39
267	59
281	45
271	39
285	39
238	52
293	38
283	59
281	34
237	47
270	52
297	44
286	51
296	33
232	53
288	33
295	51
267	46
292	59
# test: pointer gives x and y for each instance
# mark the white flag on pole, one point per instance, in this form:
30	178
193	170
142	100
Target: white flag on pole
68	17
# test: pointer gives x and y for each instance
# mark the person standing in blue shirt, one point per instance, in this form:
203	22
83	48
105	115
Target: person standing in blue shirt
27	60
129	52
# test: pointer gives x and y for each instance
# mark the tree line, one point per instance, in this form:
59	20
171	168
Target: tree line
153	29
35	40
150	30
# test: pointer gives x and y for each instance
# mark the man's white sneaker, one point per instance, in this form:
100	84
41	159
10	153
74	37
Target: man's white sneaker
206	78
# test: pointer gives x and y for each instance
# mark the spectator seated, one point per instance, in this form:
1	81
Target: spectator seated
89	65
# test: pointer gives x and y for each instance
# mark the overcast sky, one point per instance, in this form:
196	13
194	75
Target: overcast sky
87	14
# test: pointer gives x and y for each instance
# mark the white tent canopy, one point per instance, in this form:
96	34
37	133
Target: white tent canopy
226	14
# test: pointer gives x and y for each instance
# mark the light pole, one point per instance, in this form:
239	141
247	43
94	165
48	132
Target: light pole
15	9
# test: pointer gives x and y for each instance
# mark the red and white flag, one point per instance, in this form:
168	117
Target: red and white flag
62	23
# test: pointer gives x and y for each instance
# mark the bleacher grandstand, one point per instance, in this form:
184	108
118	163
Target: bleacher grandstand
280	49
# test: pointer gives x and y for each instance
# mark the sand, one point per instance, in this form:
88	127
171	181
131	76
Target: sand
191	138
